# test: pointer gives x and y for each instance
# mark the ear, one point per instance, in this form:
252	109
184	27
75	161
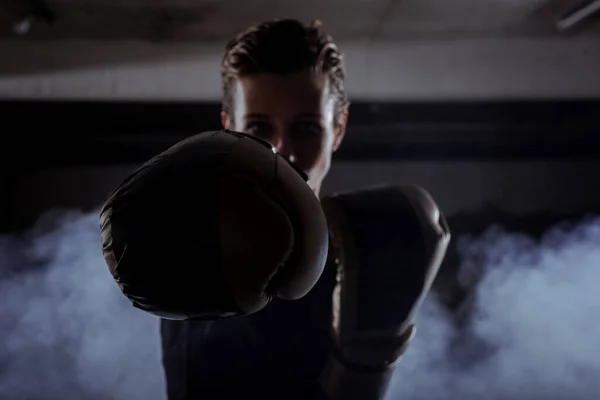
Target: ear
225	120
341	130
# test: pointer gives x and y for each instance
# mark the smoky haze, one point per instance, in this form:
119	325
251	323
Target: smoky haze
66	331
529	331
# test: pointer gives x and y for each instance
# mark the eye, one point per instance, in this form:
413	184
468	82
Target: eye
307	128
260	129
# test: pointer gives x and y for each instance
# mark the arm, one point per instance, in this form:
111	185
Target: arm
343	379
388	244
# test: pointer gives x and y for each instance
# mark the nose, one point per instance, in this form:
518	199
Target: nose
284	148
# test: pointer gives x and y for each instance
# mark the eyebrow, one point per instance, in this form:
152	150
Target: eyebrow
297	116
308	116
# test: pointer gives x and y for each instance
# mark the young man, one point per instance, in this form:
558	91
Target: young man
283	82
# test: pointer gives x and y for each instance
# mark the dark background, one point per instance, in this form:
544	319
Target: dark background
524	165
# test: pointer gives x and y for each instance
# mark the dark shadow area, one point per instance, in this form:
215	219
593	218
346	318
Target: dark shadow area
70	133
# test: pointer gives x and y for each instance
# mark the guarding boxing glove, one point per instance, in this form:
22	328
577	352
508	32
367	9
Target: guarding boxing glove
387	244
216	226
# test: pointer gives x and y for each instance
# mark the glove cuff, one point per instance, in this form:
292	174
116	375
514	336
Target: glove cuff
341	381
373	353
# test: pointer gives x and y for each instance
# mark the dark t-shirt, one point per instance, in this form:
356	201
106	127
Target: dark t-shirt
276	353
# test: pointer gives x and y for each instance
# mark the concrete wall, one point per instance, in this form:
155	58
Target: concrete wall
438	70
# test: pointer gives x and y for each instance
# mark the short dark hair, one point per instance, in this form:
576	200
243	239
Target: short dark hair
280	47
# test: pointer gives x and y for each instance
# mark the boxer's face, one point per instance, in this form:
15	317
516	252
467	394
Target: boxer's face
294	112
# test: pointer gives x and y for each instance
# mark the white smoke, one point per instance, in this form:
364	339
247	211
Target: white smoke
66	331
530	331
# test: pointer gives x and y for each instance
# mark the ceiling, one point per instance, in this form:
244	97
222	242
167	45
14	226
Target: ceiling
217	20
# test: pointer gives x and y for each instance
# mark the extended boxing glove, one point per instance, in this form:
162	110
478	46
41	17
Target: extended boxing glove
216	226
387	244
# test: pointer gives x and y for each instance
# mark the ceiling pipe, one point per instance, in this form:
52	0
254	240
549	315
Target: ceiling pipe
39	10
575	17
24	26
